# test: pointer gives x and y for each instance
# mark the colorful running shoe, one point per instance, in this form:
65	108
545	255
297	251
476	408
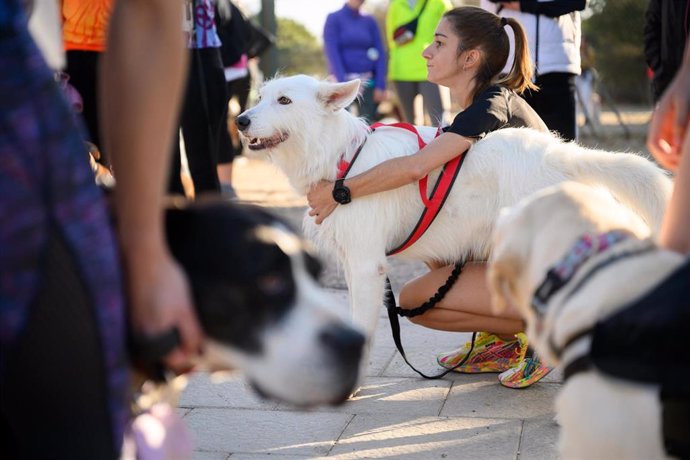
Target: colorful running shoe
528	372
490	354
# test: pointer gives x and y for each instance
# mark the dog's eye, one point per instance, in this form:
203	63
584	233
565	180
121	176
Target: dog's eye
273	284
282	100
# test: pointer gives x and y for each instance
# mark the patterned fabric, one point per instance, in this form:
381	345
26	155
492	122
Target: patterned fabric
85	24
528	372
45	181
490	354
204	34
586	247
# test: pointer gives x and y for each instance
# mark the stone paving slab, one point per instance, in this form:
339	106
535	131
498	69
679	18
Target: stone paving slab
480	395
410	397
410	437
255	431
539	439
232	391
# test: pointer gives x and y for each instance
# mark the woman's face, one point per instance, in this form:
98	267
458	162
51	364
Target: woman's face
442	60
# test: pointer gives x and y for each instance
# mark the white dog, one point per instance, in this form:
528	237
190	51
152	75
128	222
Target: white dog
301	124
610	261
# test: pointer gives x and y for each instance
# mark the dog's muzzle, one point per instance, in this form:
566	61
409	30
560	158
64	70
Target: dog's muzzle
261	143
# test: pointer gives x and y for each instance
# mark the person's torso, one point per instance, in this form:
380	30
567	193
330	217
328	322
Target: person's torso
406	62
357	42
675	28
554	43
85	24
495	108
204	34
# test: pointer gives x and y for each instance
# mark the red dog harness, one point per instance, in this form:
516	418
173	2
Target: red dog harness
434	203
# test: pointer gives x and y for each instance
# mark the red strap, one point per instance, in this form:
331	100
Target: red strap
434	203
411	128
342	167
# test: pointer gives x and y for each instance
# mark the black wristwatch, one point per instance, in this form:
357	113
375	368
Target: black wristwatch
341	193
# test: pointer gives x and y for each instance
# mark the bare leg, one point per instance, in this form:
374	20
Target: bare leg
466	307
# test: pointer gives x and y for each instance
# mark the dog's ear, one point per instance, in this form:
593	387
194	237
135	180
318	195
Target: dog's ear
336	96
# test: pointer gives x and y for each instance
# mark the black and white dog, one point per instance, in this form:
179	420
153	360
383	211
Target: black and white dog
259	304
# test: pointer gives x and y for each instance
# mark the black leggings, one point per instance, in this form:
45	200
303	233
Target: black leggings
53	398
82	68
555	102
228	148
204	114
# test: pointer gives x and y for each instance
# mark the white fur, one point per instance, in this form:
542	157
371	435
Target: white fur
501	169
600	417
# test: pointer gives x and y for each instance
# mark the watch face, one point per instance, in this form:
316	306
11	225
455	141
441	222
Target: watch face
341	195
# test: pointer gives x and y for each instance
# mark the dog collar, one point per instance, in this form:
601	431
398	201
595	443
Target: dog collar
557	279
558	276
344	165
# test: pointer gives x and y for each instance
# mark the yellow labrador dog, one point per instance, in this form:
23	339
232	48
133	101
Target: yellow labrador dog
568	257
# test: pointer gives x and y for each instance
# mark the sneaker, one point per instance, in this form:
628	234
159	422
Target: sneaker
529	371
490	354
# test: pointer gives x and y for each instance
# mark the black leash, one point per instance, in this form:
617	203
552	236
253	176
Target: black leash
394	311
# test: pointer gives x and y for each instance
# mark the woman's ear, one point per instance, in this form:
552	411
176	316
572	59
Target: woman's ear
471	58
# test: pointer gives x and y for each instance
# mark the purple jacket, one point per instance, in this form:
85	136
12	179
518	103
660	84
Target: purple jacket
352	43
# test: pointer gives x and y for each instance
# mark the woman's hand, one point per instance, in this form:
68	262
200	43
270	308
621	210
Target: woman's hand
320	199
159	300
670	120
380	95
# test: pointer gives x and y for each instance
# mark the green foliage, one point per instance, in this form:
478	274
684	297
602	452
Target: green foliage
615	32
298	50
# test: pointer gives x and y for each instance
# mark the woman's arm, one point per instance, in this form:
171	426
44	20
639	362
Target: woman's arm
142	80
390	174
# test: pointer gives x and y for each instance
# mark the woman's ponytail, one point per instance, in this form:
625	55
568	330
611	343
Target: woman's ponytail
519	78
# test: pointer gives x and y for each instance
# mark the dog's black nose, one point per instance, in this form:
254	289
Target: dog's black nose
243	122
343	340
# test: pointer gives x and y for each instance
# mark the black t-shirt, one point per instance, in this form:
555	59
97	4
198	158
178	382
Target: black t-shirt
495	108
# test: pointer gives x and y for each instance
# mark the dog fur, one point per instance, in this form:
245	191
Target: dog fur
259	304
302	125
600	416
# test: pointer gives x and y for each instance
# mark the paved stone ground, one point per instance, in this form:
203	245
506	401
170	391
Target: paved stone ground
396	414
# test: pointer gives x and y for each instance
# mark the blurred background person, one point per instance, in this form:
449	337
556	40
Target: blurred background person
354	49
410	26
553	32
204	109
84	29
235	34
585	83
64	378
666	29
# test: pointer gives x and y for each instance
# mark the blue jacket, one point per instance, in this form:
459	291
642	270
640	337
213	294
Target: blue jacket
353	44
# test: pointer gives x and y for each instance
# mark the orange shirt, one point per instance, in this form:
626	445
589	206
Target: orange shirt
85	24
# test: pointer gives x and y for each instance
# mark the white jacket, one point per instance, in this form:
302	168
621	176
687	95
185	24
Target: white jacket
558	49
